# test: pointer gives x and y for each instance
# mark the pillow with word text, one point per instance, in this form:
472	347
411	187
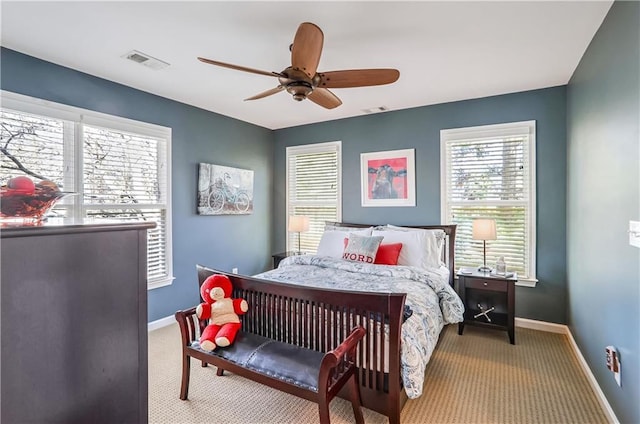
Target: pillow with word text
361	248
387	254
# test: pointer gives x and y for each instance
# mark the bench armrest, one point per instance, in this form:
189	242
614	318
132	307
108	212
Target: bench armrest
186	320
339	363
348	347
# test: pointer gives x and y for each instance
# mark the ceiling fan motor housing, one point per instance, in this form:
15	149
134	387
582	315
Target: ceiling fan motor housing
297	83
299	89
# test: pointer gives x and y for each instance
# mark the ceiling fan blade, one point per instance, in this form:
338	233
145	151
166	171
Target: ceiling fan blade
266	93
357	78
324	98
307	48
239	68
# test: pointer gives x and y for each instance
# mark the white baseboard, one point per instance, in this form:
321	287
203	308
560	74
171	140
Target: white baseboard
549	327
592	379
563	329
162	322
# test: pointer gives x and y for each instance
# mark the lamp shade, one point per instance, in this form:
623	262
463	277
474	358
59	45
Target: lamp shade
298	223
484	229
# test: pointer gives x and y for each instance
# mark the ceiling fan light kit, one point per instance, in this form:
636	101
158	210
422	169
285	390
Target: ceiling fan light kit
302	80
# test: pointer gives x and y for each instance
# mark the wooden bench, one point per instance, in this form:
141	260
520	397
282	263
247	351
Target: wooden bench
262	352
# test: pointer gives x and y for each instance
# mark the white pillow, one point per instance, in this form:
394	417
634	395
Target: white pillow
438	234
419	248
336	226
332	242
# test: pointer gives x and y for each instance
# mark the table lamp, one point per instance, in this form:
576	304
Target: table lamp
484	229
298	224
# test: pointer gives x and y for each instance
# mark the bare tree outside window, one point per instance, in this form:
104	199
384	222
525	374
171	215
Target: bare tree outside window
121	172
31	146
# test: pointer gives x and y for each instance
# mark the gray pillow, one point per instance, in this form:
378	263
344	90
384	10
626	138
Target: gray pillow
361	248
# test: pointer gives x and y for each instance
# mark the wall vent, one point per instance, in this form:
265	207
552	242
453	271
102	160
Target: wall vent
146	60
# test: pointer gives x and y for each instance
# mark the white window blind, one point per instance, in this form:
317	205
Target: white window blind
119	167
488	172
313	190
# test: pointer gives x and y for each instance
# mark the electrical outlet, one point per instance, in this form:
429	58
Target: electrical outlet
634	233
234	270
613	362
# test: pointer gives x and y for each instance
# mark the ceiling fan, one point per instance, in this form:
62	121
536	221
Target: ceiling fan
301	79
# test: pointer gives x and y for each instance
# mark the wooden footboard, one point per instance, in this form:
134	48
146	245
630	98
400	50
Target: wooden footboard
320	320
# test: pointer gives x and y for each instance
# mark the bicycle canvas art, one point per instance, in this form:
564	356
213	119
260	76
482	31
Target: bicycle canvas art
223	190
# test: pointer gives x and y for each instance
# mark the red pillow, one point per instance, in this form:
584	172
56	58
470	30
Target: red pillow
387	253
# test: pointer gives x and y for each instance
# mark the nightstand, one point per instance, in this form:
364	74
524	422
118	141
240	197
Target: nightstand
489	301
277	257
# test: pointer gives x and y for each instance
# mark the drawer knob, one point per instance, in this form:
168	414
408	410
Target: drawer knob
485	284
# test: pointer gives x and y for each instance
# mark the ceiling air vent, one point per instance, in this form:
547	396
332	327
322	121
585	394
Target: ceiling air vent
376	109
146	60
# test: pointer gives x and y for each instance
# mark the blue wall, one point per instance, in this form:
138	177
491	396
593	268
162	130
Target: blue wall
589	275
603	123
245	241
198	136
419	128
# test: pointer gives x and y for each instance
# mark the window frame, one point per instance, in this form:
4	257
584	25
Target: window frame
465	134
322	147
79	117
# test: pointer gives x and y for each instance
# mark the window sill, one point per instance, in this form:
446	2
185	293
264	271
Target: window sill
527	282
162	282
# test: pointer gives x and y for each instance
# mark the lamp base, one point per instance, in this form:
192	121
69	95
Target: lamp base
484	268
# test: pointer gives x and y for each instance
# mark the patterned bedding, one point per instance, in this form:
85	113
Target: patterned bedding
433	301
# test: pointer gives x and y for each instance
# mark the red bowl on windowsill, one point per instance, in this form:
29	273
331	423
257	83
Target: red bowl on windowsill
20	205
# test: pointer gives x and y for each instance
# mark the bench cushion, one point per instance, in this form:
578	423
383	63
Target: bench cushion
292	364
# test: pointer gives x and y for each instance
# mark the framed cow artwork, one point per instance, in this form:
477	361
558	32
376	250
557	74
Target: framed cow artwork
388	178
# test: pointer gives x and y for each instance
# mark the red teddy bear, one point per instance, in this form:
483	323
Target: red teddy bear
221	310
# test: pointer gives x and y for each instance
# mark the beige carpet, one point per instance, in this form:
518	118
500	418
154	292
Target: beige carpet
475	378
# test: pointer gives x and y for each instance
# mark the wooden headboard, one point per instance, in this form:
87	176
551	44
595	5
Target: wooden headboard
448	253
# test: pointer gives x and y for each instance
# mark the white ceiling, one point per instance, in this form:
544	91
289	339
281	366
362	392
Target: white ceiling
445	51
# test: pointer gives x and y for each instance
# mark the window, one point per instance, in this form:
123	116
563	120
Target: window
120	167
489	172
313	190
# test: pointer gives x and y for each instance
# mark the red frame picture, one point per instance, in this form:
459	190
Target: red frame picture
388	178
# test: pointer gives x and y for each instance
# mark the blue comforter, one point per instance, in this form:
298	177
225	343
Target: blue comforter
433	301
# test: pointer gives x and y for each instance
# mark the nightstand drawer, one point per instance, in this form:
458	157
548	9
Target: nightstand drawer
482	284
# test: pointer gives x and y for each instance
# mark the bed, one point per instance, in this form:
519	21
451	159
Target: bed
392	361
